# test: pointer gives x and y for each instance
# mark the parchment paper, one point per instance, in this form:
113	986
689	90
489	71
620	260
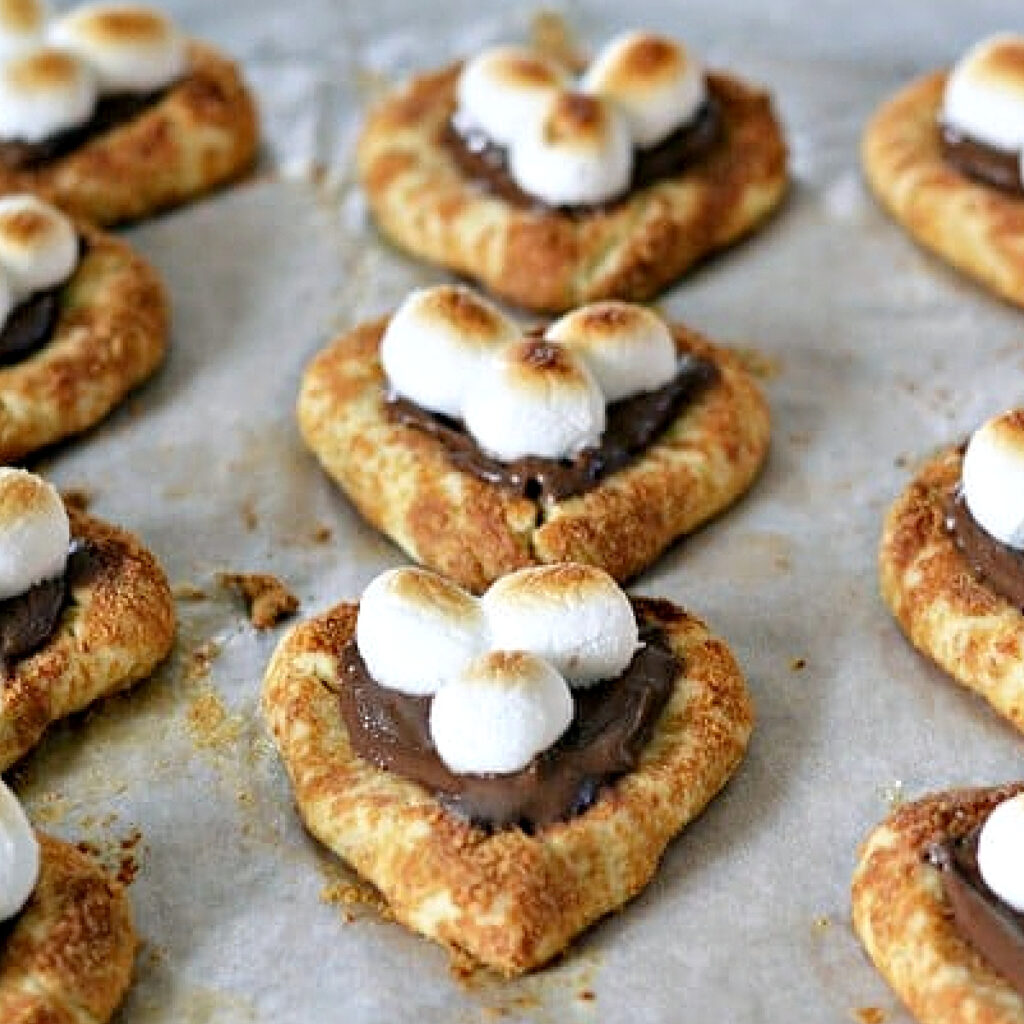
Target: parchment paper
872	353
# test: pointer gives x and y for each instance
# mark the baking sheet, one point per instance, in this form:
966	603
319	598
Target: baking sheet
872	354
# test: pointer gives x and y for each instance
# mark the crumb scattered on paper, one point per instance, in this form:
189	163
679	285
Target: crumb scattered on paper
798	664
757	363
322	534
267	599
188	592
821	923
869	1015
550	33
892	794
249	518
210	723
201	659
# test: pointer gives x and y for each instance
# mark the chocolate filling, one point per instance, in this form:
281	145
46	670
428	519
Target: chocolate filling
111	112
992	927
612	723
487	163
998	167
994	563
632	425
28	620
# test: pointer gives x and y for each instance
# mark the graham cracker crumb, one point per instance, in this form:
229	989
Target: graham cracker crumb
869	1014
322	534
249	518
188	592
757	364
201	659
267	599
349	894
551	35
797	664
78	498
210	723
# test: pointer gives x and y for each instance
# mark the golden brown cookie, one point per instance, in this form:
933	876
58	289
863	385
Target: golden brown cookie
509	900
552	260
202	133
972	632
110	336
67	957
903	918
116	627
976	227
403	482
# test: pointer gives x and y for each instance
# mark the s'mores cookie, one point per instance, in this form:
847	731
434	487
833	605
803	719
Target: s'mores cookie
480	449
83	320
952	562
554	191
85	611
939	905
505	770
111	112
944	156
67	941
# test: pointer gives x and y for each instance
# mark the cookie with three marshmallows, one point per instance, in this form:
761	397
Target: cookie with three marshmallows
945	156
951	562
111	112
554	190
480	448
505	769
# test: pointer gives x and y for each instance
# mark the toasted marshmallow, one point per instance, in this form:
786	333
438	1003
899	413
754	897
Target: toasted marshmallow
43	93
38	245
984	97
992	477
578	151
503	88
436	342
34	532
574	616
415	630
627	348
22	24
19	855
501	711
534	398
130	47
1001	852
653	80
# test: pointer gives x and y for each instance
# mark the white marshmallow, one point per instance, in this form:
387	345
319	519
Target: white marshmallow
22	23
499	713
578	151
504	88
415	630
34	532
43	93
1001	852
19	855
38	245
653	80
992	477
627	348
130	47
436	342
984	97
574	616
534	398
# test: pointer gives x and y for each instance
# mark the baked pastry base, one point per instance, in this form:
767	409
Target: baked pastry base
403	482
947	613
201	134
110	336
508	900
975	227
545	259
67	957
905	923
117	626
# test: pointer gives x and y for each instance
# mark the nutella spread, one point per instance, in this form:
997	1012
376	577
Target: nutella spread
111	112
999	566
633	424
999	167
612	722
487	163
994	929
28	620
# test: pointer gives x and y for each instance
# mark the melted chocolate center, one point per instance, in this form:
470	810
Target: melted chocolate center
111	112
992	927
998	167
994	563
632	426
487	163
612	722
28	620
